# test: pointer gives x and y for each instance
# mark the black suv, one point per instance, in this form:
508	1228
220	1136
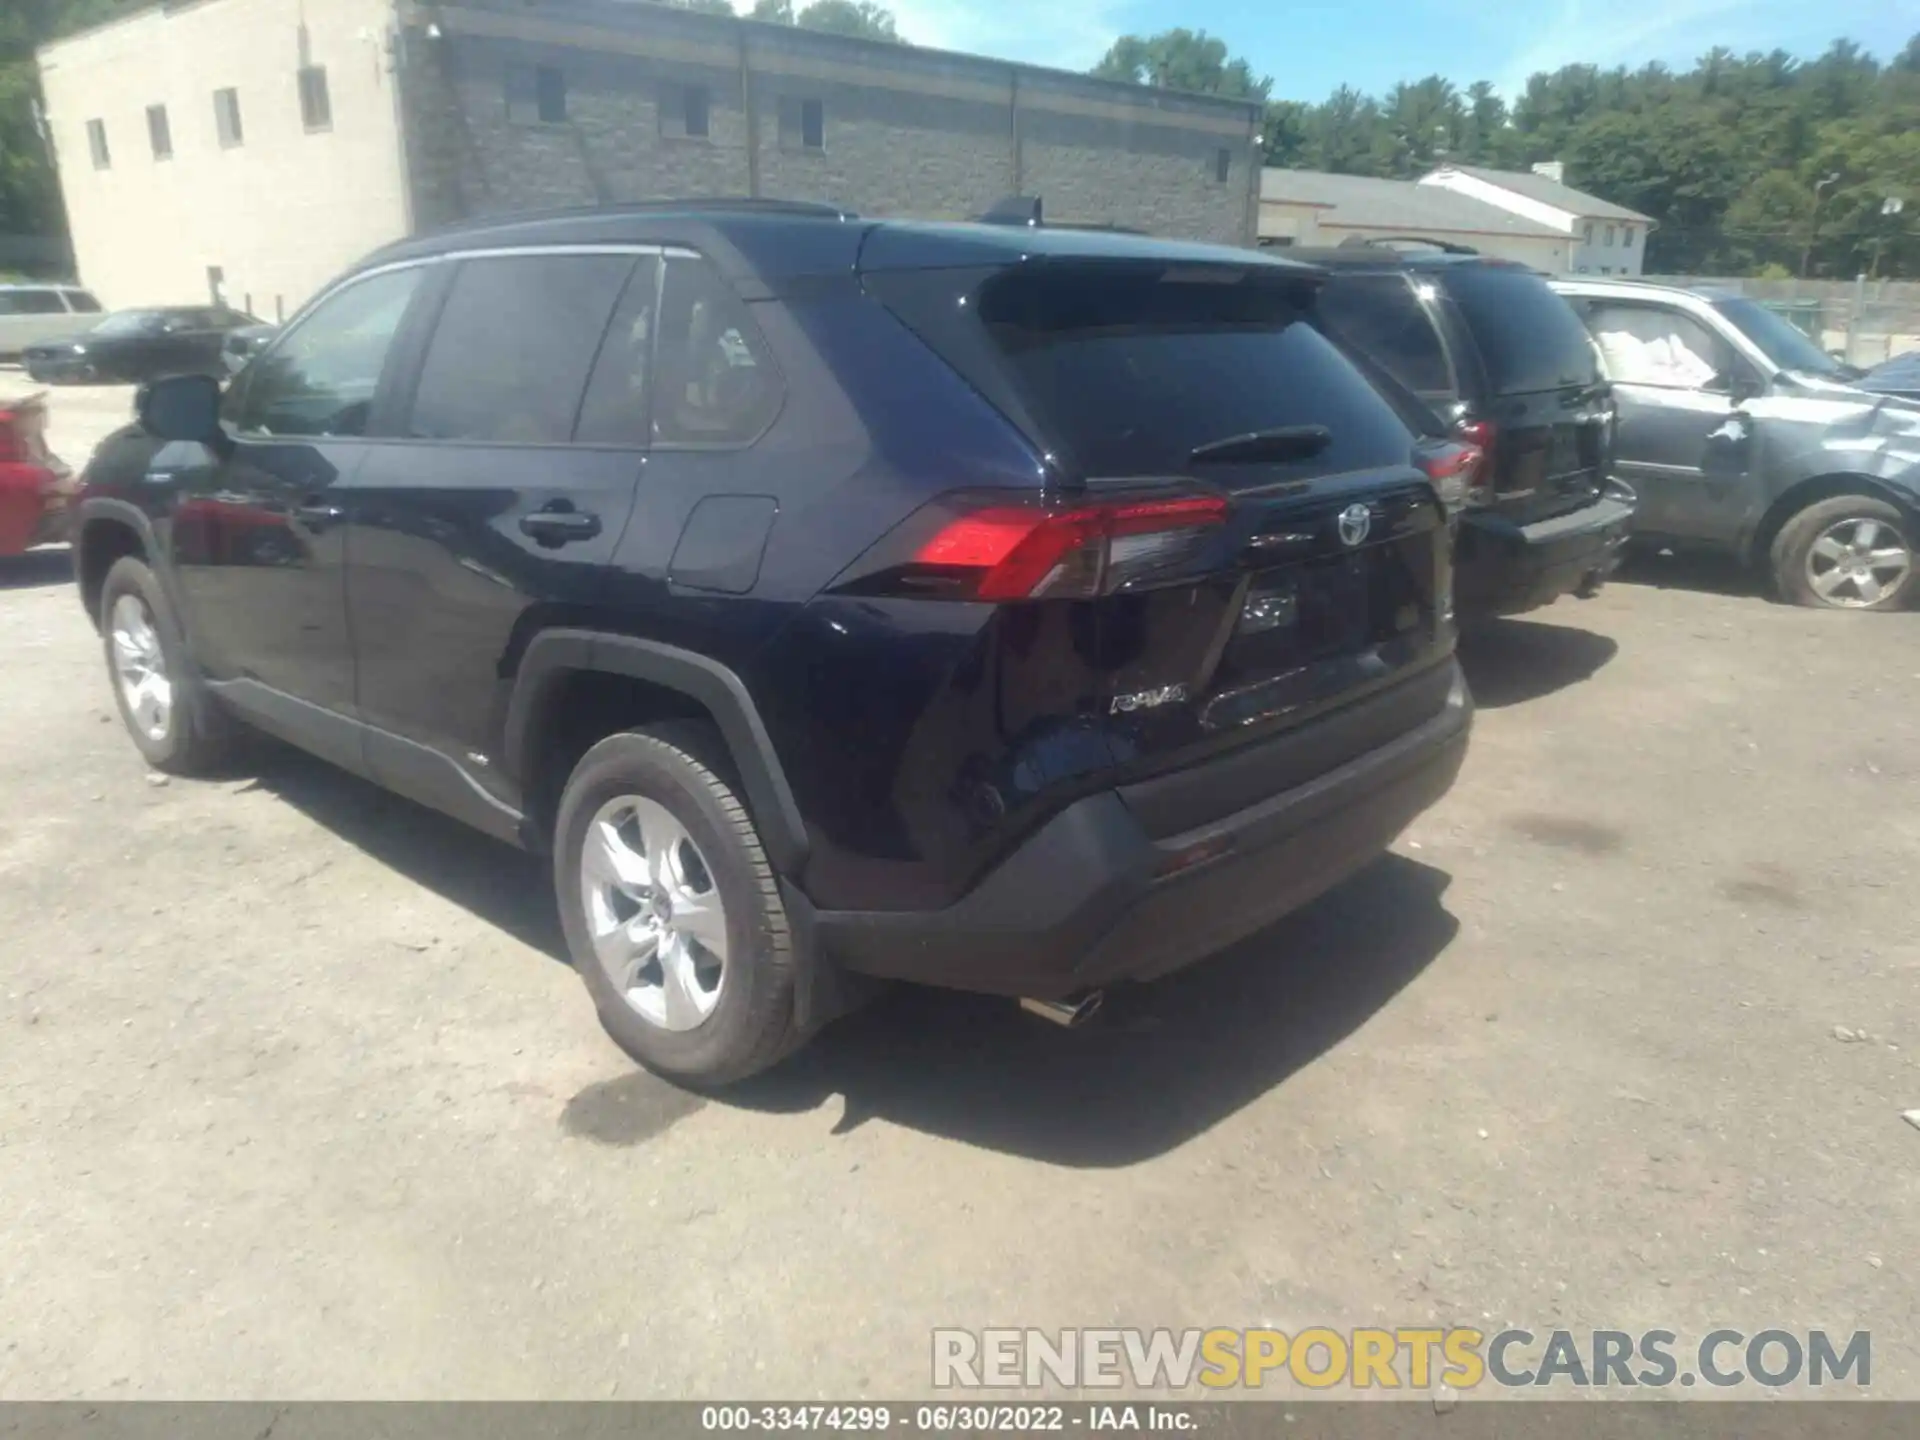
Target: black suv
1504	363
1016	610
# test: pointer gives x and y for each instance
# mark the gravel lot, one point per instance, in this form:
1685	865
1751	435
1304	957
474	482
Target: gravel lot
298	1097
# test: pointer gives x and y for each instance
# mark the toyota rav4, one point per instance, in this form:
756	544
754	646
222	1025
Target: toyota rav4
1018	610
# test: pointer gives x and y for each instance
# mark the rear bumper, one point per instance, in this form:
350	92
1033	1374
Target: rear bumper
1092	898
1501	568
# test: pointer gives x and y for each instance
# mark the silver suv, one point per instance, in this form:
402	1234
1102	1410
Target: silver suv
1739	433
30	314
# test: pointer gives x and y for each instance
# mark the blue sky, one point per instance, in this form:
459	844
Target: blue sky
1311	47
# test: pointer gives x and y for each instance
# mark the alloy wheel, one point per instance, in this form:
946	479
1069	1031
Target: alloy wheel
1858	562
654	912
140	666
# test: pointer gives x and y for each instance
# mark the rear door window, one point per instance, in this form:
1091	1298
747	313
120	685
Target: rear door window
1528	337
82	301
516	338
1380	316
717	382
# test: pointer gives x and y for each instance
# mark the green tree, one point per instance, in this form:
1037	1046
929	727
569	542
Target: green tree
1182	60
860	19
774	12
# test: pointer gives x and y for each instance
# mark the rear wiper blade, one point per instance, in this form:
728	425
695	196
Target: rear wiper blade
1285	442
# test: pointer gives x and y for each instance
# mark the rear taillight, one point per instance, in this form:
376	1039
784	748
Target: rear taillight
1481	434
977	548
1454	466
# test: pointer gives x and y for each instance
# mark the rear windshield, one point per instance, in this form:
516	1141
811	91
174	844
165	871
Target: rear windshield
1528	337
1125	369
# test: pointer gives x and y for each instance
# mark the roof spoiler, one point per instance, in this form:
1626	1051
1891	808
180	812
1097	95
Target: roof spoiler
1014	210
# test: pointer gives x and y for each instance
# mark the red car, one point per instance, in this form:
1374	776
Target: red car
36	490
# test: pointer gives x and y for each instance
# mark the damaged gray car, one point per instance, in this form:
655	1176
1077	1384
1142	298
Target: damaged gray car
1737	432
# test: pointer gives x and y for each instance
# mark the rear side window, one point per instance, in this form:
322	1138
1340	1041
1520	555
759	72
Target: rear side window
31	302
1129	368
717	383
1380	316
510	355
1528	337
82	302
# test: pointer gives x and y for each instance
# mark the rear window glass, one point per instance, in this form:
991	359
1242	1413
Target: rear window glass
1380	316
1126	369
1528	337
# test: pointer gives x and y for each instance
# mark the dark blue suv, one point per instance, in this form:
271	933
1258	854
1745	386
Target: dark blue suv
1013	609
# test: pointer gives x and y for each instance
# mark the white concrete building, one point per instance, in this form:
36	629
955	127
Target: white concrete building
250	146
1603	238
1312	207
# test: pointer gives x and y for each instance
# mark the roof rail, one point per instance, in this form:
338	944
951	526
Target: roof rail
1387	242
1014	210
726	204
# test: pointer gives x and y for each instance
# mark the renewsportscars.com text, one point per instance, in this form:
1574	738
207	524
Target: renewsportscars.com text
1415	1358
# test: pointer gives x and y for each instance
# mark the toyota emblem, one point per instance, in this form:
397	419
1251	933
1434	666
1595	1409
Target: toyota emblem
1355	522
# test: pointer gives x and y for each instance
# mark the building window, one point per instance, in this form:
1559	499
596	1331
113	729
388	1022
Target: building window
685	111
1588	236
536	94
97	143
1222	164
1609	236
1626	236
159	133
226	118
803	124
316	106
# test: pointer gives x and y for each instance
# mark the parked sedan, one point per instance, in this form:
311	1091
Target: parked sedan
134	345
1740	434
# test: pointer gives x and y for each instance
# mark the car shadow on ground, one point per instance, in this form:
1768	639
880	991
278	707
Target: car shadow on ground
33	568
1158	1065
1703	570
1509	662
503	886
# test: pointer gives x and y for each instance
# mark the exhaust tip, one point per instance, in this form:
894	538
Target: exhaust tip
1066	1013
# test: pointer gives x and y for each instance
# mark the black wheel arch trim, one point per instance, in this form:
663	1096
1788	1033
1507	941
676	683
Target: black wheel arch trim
123	512
553	654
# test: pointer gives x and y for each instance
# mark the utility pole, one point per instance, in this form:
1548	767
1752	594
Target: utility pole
1813	222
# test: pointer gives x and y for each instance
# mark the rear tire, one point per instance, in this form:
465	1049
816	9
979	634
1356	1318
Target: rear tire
173	718
1851	552
671	911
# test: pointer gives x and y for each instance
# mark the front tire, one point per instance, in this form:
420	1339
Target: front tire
1848	553
173	719
671	912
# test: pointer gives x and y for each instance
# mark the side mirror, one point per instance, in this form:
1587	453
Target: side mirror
181	407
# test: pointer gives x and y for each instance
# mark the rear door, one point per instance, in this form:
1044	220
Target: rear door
1541	399
483	519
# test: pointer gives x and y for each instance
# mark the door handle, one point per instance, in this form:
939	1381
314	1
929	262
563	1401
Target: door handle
318	514
554	528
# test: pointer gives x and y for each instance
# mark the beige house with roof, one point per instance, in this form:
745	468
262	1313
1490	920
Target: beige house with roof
1603	238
